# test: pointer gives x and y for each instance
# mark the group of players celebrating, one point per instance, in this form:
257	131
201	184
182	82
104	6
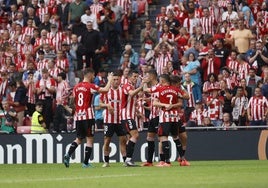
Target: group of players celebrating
119	102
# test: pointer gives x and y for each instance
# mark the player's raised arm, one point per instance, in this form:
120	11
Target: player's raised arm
108	85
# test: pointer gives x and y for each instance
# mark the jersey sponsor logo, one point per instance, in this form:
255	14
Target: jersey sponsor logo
171	115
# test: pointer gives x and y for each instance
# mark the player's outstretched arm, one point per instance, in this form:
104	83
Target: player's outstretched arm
108	85
132	93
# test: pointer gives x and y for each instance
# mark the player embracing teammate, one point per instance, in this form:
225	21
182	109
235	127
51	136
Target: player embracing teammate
168	101
119	103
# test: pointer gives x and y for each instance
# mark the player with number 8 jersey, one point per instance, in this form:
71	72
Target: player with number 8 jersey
84	114
83	93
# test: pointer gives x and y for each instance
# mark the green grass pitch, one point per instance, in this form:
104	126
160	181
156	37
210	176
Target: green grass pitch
216	174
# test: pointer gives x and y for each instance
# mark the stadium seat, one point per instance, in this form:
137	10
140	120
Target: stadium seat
24	129
27	121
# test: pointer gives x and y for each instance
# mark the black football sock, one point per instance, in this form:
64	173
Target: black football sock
162	157
151	146
130	149
165	146
183	152
72	148
179	147
106	159
124	158
88	151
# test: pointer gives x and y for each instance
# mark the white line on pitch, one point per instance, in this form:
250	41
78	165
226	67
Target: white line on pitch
66	179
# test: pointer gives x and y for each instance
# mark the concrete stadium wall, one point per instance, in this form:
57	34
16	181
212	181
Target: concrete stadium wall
202	145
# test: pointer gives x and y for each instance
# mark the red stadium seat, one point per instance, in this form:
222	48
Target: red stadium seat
24	129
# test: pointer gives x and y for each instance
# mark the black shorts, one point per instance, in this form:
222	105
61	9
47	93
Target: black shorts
129	125
85	128
167	128
182	128
153	125
110	129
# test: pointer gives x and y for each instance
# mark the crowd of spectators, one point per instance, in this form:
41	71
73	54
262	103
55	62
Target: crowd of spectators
219	48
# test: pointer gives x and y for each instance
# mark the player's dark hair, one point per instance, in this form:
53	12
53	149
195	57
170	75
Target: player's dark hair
165	77
174	79
152	72
133	72
62	75
88	71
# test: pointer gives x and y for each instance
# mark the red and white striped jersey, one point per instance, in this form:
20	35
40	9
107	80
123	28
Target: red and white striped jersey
258	107
50	82
216	13
62	92
53	72
56	39
211	66
128	104
261	28
3	87
41	41
28	31
154	110
232	64
95	8
41	64
240	106
214	109
243	70
223	3
230	81
112	97
23	48
41	13
255	8
189	88
30	93
123	81
12	34
160	19
168	95
161	62
125	4
83	93
198	13
174	8
67	40
22	65
208	85
265	16
140	117
21	38
62	64
207	24
170	36
198	116
191	24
